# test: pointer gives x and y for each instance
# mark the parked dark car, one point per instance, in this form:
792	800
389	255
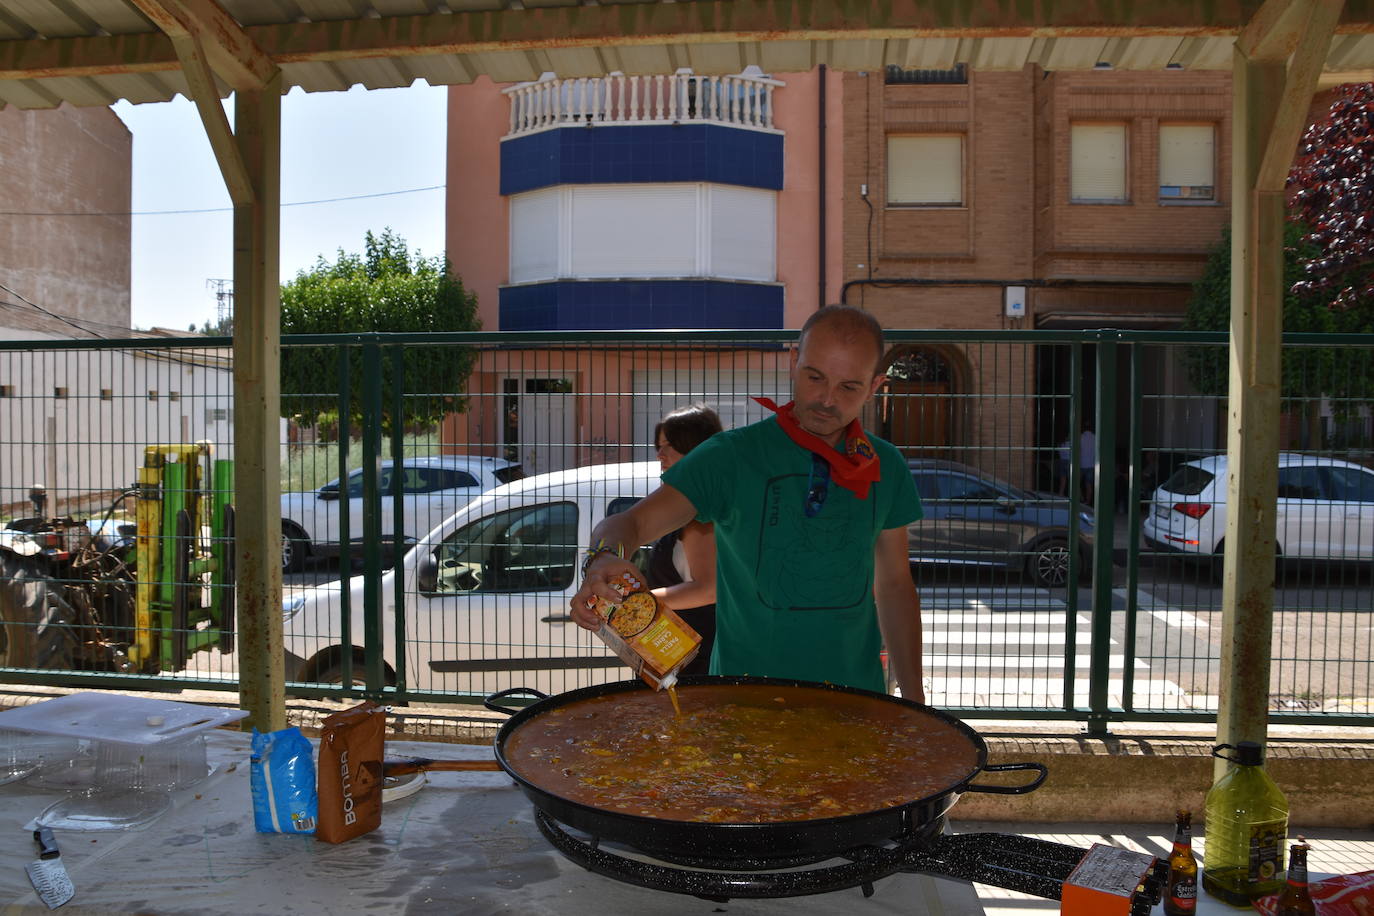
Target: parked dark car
975	519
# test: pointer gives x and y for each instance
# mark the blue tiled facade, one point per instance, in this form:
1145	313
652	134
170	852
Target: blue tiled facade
652	152
585	305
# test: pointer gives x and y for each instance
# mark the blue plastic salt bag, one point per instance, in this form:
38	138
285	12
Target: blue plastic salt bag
283	778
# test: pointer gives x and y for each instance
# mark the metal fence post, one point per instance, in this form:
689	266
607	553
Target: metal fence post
373	674
398	545
1133	496
1104	513
345	436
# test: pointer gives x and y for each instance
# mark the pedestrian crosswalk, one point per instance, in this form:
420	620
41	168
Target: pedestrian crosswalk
1009	648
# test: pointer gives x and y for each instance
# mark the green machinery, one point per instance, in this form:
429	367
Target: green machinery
107	595
184	555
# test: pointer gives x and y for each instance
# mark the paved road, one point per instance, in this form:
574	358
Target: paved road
994	641
998	642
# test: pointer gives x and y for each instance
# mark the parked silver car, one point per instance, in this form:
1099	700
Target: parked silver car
433	488
975	519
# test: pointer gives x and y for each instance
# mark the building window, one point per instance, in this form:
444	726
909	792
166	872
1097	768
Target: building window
1187	162
1098	162
954	76
643	231
926	170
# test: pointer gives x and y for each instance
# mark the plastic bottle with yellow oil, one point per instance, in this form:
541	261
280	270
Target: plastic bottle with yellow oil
1247	825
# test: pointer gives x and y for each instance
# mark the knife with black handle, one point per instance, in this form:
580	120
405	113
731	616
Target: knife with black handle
48	874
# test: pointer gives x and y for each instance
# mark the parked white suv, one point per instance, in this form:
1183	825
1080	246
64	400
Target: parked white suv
433	488
485	593
1325	509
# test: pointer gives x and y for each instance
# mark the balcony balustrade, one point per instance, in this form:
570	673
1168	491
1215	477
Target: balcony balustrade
736	101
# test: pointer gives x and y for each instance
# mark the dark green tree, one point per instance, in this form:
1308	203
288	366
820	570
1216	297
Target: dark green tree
1344	375
386	289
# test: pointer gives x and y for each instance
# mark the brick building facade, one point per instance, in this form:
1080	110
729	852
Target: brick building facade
1008	219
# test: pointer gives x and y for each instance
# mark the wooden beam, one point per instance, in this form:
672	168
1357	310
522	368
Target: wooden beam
205	94
231	52
636	24
1273	32
1333	78
1314	43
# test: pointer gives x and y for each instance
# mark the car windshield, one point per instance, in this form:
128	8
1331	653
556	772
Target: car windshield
939	483
507	474
1188	480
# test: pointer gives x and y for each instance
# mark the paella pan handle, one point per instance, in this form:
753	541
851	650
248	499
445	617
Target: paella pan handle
492	702
1038	768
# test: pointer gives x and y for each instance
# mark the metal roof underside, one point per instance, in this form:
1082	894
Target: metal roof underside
96	52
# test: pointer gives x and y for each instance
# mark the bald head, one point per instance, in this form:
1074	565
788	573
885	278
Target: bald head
847	325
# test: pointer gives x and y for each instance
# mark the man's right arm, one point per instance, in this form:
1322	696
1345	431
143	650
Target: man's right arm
666	509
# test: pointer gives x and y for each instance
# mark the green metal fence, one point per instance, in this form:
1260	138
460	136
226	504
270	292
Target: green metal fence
1053	583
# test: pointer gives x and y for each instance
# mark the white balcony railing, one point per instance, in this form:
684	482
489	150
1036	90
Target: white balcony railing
738	101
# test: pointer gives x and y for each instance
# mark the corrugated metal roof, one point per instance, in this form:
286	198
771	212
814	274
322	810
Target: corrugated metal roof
95	52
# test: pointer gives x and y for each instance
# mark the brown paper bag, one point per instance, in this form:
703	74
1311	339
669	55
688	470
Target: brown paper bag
350	772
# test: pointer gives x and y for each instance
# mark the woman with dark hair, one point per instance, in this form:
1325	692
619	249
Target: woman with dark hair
682	568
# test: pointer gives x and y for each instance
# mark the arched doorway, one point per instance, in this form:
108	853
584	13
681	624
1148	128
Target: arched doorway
916	403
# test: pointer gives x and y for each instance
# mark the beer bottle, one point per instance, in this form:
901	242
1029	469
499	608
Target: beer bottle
1296	899
1180	894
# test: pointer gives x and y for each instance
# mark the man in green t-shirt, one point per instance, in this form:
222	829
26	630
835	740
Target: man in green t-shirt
810	518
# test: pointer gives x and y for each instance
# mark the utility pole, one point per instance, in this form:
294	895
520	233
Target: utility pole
224	301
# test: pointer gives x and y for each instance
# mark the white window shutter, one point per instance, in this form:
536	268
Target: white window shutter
1187	161
743	235
925	169
534	223
634	230
1098	162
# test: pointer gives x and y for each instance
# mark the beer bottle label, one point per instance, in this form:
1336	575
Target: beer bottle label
1266	850
1185	890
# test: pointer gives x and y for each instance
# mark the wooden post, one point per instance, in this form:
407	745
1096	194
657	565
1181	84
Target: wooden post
1270	98
257	396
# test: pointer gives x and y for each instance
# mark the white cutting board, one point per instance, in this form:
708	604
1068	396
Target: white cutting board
111	717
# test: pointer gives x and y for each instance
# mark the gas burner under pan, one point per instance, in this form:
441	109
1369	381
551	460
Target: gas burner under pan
1024	864
719	881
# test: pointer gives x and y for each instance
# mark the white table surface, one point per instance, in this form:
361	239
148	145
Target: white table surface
465	843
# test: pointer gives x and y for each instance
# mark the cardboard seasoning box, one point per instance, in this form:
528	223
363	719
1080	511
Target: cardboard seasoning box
650	638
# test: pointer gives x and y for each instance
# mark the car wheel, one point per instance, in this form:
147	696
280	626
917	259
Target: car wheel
1217	569
332	672
295	547
1048	564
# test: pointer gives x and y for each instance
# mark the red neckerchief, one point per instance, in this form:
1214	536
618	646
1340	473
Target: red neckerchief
855	469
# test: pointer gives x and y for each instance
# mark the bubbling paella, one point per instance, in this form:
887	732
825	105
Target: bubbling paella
741	753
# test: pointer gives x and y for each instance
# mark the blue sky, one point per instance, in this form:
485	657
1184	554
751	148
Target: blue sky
334	145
